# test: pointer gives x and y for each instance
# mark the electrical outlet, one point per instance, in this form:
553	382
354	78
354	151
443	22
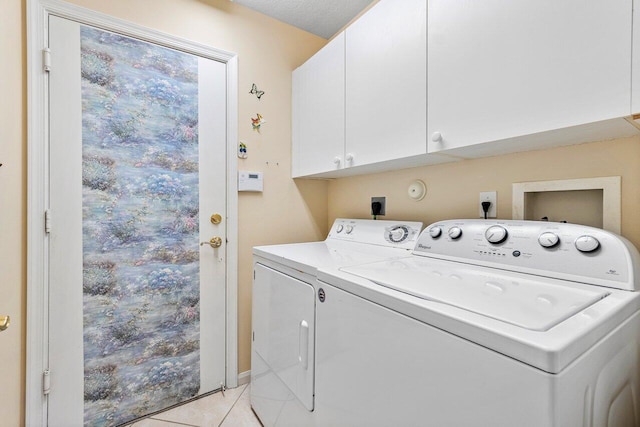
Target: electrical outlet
488	196
382	201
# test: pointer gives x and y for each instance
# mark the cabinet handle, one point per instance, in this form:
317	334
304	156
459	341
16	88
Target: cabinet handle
349	157
336	160
436	137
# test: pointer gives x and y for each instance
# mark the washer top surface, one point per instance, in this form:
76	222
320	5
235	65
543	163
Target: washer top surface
542	293
350	242
550	350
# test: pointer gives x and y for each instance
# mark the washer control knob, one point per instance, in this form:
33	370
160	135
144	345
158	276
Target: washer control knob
587	243
339	228
454	233
435	232
496	234
548	239
349	229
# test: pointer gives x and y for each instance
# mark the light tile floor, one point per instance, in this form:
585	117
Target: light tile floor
231	410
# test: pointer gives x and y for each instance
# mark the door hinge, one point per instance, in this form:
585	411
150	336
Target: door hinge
46	381
254	275
47	221
46	59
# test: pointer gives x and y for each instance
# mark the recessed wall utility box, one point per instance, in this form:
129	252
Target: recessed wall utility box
589	201
250	181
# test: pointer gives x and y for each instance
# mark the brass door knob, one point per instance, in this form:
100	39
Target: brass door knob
215	242
4	322
216	218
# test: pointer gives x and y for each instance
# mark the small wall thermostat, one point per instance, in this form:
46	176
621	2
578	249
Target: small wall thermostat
249	181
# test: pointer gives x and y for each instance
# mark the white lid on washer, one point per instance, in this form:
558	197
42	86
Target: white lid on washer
521	300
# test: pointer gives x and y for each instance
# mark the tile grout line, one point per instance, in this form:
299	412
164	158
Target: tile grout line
171	422
233	406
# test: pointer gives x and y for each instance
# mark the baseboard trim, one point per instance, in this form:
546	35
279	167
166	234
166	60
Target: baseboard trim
244	377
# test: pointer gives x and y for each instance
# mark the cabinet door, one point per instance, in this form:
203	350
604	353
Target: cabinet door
635	84
501	69
318	111
386	59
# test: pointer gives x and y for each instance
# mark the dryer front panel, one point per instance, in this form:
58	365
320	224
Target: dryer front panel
284	328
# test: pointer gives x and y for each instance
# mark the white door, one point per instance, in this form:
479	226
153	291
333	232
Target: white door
137	167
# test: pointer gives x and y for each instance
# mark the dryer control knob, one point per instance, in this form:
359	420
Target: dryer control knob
454	233
587	243
398	234
349	229
435	232
339	228
496	234
548	239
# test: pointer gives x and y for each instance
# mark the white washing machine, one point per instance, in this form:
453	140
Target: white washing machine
488	323
283	312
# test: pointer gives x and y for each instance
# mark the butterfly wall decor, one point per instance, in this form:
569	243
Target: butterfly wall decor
257	122
254	90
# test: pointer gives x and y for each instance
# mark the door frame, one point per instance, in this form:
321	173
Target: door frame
38	12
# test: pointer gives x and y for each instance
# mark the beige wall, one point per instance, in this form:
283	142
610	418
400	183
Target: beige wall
452	189
267	50
287	211
12	210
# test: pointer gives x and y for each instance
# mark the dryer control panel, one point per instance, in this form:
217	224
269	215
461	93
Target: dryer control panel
398	234
550	249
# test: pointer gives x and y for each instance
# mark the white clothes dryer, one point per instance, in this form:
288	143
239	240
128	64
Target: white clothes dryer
283	311
488	323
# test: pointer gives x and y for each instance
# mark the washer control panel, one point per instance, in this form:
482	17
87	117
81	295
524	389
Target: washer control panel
377	232
566	251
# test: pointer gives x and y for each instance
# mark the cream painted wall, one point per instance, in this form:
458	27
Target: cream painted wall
287	211
452	189
12	210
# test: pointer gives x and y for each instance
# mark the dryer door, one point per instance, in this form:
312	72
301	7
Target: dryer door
284	328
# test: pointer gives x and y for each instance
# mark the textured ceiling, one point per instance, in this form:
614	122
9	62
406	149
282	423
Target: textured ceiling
323	18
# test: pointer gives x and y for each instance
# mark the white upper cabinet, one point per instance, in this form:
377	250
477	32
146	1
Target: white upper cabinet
318	112
635	83
500	70
360	104
386	83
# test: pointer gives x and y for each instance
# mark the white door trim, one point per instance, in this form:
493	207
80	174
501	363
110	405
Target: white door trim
38	12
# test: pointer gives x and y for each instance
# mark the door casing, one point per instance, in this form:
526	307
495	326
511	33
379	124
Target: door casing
38	12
